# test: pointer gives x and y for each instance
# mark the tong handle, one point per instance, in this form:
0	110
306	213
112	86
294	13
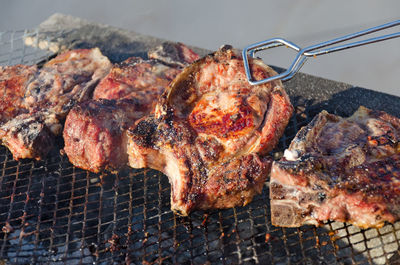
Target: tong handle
311	51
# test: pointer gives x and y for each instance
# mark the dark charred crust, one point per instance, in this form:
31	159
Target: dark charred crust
30	133
168	53
225	48
130	62
175	132
93	108
144	132
41	143
190	195
173	54
305	164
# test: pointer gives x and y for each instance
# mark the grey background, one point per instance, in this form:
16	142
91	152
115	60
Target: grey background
209	24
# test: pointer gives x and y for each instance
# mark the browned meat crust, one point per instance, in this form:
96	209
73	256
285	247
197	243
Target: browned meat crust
208	131
13	80
94	133
143	80
343	169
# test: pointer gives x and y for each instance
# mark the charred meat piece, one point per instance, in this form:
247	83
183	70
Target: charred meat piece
94	133
30	135
42	98
343	169
13	81
208	131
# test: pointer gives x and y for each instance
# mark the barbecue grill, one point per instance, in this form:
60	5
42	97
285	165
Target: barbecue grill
54	213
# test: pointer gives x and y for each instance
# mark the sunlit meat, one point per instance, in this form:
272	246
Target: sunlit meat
210	131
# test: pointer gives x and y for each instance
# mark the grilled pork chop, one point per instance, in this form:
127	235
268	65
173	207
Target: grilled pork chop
208	132
343	169
94	132
44	97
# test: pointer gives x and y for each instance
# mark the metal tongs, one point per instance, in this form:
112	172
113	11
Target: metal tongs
310	51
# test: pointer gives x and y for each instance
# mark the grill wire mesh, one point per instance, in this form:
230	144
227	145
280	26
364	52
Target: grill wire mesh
54	213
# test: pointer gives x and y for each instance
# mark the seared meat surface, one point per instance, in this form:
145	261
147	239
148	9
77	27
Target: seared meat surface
343	169
65	80
41	99
13	81
94	132
143	80
208	131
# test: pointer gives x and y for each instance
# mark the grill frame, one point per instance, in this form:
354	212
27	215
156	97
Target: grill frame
54	213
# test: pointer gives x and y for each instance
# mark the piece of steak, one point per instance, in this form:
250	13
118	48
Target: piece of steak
94	133
30	135
143	80
342	169
44	97
13	81
209	130
65	80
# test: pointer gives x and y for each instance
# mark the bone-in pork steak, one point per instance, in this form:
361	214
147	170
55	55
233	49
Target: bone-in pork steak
208	131
343	169
43	98
94	133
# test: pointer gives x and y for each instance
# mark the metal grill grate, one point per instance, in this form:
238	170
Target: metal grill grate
54	213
